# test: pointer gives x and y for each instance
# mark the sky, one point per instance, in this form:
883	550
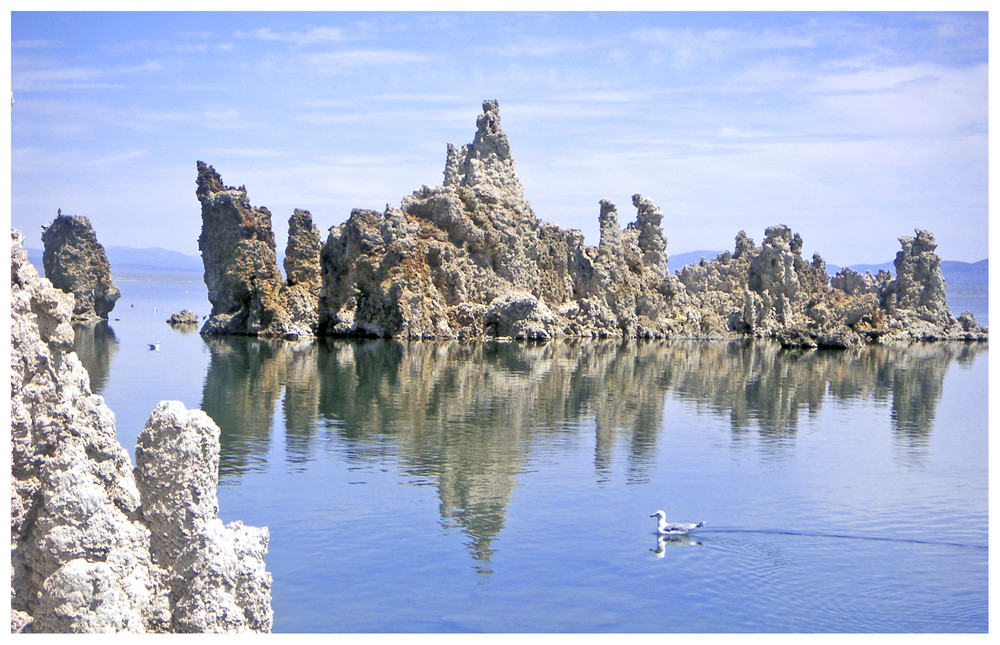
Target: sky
851	128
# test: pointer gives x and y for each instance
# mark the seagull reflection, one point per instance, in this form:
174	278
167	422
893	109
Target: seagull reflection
673	540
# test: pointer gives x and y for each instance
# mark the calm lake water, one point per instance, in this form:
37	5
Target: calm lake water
498	487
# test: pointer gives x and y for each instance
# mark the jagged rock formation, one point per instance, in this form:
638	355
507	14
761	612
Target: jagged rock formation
761	291
87	534
302	272
918	289
469	259
75	262
772	292
245	287
237	248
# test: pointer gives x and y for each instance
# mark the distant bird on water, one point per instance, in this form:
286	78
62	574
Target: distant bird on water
154	347
663	527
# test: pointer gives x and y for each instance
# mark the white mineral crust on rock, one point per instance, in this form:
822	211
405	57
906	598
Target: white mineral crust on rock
84	556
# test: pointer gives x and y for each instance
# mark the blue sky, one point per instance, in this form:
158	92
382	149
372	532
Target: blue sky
852	128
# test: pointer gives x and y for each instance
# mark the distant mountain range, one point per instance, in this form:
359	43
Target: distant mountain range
962	278
152	258
148	264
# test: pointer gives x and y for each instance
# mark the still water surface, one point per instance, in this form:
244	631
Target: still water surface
492	487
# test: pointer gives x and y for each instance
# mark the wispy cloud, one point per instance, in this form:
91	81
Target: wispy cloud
202	48
353	59
256	153
383	117
537	47
308	37
92	119
37	43
34	159
51	76
191	43
419	97
878	79
693	47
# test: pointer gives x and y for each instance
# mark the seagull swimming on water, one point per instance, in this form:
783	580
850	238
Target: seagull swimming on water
673	528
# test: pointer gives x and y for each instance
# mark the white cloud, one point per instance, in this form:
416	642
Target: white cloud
256	153
410	97
48	76
308	37
921	101
875	79
36	43
34	159
537	46
352	59
775	72
688	47
201	48
89	119
387	119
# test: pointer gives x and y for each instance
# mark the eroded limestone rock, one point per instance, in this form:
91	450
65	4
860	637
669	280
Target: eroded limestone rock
302	271
919	285
72	494
76	263
237	247
81	553
470	259
216	576
246	289
772	292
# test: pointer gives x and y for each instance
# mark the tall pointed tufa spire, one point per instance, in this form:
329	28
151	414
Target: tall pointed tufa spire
487	162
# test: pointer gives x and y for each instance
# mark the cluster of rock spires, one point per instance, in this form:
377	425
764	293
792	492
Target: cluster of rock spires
75	262
95	545
469	259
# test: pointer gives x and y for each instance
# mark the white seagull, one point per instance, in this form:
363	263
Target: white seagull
673	528
154	347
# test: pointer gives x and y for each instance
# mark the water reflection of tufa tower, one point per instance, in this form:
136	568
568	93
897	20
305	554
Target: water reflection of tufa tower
466	416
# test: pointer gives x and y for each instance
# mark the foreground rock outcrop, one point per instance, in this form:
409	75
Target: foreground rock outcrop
76	263
470	259
96	547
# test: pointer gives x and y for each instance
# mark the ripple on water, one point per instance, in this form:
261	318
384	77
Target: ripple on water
809	582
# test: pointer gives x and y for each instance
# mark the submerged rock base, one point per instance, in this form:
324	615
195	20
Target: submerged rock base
96	546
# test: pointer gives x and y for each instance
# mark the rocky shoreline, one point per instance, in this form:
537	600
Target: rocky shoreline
97	546
470	259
